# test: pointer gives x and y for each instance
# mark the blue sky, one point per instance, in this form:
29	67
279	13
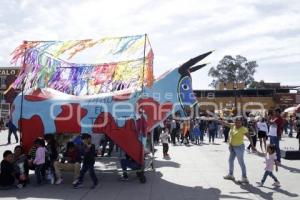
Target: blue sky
265	31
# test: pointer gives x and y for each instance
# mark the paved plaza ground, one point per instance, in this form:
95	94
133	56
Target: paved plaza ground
192	173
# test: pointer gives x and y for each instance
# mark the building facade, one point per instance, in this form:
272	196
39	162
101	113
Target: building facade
7	76
240	101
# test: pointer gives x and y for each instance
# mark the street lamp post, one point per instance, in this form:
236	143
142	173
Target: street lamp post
235	97
235	87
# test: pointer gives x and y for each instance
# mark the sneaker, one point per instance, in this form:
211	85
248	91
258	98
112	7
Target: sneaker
229	177
74	182
124	177
19	186
77	185
276	184
244	180
52	180
58	181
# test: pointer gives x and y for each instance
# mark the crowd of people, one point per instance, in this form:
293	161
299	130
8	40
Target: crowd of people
193	131
79	155
233	130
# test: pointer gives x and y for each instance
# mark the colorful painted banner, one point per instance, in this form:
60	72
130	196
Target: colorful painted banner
125	62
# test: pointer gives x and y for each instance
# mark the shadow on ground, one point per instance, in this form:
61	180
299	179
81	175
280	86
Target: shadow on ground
111	187
248	188
290	169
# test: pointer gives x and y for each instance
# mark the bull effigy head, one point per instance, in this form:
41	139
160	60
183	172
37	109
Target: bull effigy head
185	92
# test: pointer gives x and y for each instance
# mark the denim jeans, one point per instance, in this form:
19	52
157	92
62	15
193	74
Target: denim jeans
275	140
237	151
173	136
291	130
90	168
254	140
268	173
143	140
125	163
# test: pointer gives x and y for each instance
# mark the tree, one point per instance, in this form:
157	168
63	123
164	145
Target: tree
258	85
234	70
262	85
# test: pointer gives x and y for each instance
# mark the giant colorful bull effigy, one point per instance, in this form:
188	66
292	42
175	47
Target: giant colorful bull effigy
54	101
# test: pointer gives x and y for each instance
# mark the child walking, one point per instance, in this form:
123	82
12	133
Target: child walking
196	132
39	160
270	161
201	135
88	162
164	137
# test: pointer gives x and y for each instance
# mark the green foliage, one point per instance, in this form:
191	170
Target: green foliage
235	70
258	85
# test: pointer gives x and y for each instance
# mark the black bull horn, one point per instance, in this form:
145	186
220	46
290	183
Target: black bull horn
186	67
197	67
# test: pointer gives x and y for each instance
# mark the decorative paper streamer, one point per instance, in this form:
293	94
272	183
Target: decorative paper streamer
124	66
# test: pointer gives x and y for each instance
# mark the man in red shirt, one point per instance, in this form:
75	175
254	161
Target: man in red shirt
277	121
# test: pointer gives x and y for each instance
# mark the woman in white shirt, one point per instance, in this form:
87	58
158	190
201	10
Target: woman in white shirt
262	133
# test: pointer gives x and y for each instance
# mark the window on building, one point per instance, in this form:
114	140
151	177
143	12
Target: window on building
2	99
3	81
4	110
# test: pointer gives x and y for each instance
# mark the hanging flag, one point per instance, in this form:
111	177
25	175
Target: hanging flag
122	62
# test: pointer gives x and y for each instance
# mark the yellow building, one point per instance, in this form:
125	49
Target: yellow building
240	101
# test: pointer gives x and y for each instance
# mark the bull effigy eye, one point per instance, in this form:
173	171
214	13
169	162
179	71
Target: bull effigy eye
185	87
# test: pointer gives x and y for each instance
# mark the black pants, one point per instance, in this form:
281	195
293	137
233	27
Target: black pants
91	169
177	135
226	135
15	134
254	139
201	136
173	136
211	135
165	148
39	173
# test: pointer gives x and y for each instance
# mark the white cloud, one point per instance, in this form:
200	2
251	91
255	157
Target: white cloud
266	31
